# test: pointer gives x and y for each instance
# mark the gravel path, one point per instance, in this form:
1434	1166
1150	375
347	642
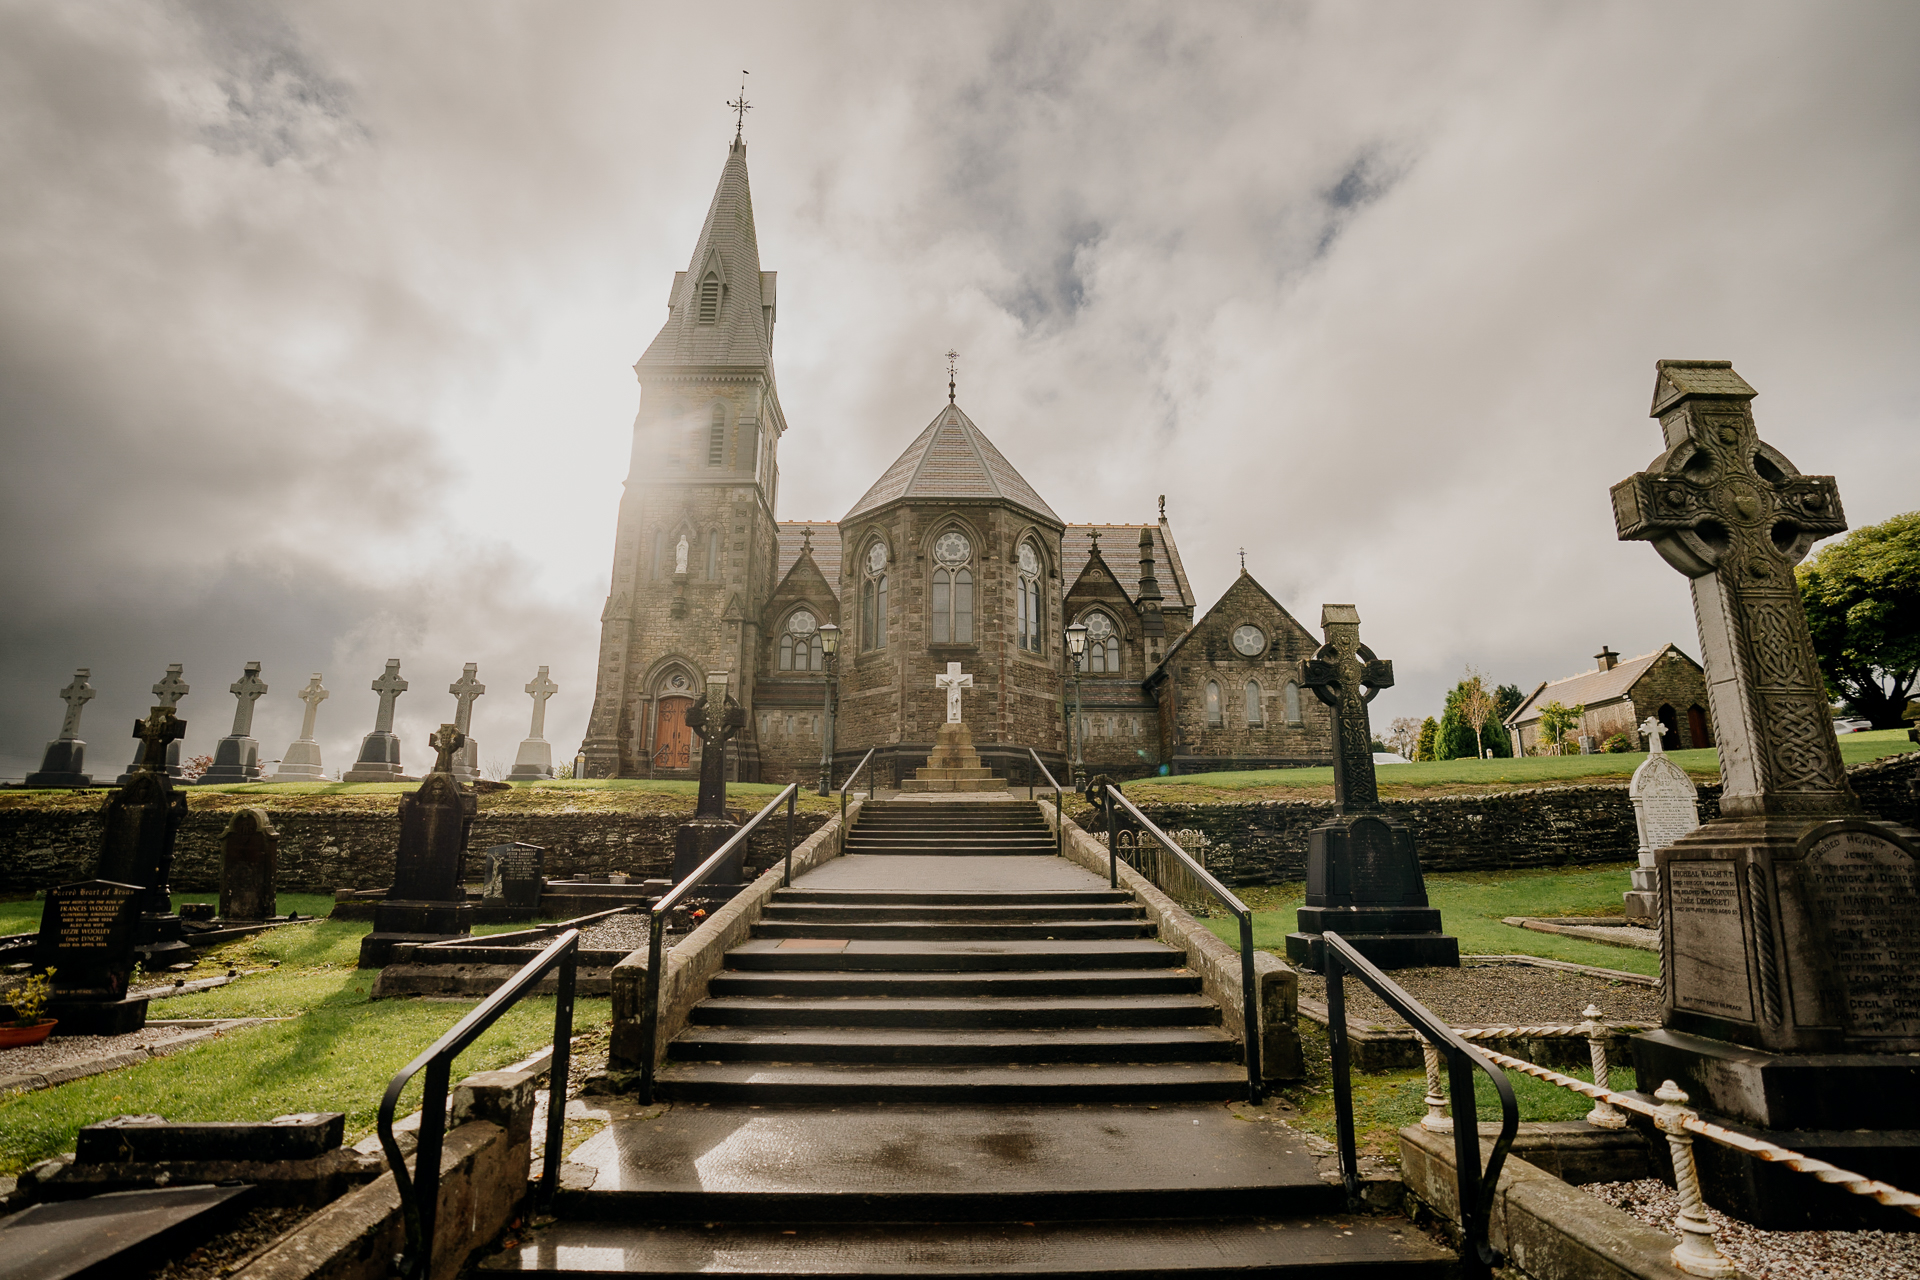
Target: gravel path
616	933
1479	995
1776	1255
253	1230
63	1051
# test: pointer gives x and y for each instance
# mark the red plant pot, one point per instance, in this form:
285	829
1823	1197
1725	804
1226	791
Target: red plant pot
16	1037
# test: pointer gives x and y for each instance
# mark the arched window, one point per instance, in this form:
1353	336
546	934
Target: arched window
873	599
1103	645
717	436
1255	714
800	642
710	299
1027	606
713	555
952	589
1213	702
1293	703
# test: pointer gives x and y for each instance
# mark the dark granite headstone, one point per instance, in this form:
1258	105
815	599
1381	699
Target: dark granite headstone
1363	872
136	846
87	934
249	855
428	902
716	718
515	874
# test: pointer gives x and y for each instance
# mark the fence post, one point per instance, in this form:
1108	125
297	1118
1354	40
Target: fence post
1436	1120
1604	1114
787	878
1696	1254
558	1068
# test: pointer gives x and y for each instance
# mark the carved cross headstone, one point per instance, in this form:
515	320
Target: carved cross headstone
313	695
246	691
76	695
162	726
446	740
167	692
1344	674
953	682
716	718
464	691
1665	807
534	760
389	686
170	688
541	688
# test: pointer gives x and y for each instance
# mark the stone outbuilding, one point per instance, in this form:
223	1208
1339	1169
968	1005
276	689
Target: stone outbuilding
1666	684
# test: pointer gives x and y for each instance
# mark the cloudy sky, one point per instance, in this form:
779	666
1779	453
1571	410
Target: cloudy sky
317	320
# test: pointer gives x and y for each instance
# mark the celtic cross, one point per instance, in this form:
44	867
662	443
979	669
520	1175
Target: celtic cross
246	690
541	688
76	695
1731	513
170	688
1344	674
464	691
162	725
445	741
1656	735
389	686
313	695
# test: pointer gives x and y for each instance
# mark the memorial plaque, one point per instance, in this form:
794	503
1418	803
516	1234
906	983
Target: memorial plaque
1864	902
515	874
87	932
1707	964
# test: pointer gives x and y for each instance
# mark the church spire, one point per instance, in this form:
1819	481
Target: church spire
721	311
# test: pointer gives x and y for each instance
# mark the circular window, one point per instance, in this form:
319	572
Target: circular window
1099	626
678	680
1249	640
952	548
877	557
1029	562
802	623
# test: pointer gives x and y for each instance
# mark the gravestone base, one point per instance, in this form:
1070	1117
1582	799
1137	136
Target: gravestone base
234	760
1387	949
398	922
140	757
379	760
161	941
533	762
953	765
300	764
79	1017
1364	883
62	765
1643	900
696	841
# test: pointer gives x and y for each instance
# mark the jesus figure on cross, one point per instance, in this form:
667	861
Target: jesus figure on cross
953	682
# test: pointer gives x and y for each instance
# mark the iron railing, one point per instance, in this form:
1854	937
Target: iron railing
1059	814
657	928
847	786
1475	1186
420	1191
1249	987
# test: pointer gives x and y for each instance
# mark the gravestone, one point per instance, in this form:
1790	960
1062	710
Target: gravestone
716	718
534	760
249	855
87	936
1791	923
236	757
167	692
301	763
1363	871
65	759
428	902
380	750
515	875
136	842
1666	806
466	762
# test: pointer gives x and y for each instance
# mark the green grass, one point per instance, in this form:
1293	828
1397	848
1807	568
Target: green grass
22	914
1472	905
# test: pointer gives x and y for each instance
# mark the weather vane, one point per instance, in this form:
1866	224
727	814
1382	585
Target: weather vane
952	356
740	107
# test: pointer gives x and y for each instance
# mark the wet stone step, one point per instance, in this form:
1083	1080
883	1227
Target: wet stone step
776	1084
1104	984
933	931
961	1012
895	1045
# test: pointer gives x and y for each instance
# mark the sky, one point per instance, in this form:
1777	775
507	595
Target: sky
318	320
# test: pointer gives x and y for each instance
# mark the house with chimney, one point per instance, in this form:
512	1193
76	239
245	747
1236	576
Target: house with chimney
1666	684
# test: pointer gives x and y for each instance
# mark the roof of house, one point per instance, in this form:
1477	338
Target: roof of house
742	334
1120	549
951	459
826	549
1589	688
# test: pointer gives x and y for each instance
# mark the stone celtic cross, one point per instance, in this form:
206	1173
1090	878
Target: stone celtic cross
1655	733
162	725
389	686
953	682
313	695
76	695
1731	513
246	690
170	688
464	691
1344	674
446	741
541	688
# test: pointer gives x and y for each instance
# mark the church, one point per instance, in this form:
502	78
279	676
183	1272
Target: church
950	557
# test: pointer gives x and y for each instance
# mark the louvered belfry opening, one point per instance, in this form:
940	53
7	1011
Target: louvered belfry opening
710	299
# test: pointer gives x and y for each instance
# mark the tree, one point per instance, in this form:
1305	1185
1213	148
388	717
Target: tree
1862	596
1404	736
1556	719
1470	723
1506	698
1423	745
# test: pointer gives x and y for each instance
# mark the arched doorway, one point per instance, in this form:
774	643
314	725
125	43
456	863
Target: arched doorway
1697	726
1669	727
672	739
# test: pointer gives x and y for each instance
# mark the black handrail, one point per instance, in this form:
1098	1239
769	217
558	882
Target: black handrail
1059	814
657	927
848	786
1476	1187
1249	987
420	1193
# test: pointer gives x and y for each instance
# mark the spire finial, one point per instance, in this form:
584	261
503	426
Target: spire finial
1243	559
1094	534
740	107
806	539
1163	506
952	357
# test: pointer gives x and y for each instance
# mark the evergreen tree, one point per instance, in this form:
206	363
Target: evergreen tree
1454	738
1424	749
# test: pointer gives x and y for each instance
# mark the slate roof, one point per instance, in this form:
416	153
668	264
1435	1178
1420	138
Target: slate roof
951	459
743	334
1589	688
1120	548
826	550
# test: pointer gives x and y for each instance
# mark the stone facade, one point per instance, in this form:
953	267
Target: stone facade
1665	684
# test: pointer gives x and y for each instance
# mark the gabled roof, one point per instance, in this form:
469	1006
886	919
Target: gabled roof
1591	688
729	249
826	550
1245	579
951	460
1120	549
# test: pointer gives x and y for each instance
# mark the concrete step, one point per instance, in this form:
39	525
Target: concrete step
952	849
950	913
969	1012
777	1084
1051	930
1327	1245
1106	984
923	955
958	897
893	1044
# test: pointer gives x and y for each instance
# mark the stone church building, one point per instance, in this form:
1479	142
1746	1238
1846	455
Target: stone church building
950	557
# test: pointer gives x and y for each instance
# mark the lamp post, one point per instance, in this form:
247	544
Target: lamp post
830	647
1077	650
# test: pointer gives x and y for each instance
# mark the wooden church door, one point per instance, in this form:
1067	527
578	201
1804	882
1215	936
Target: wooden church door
672	739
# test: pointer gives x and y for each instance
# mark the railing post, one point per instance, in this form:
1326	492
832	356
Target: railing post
1342	1085
1250	1008
1604	1114
1696	1254
557	1071
1436	1120
1466	1160
650	1007
1106	817
426	1158
792	796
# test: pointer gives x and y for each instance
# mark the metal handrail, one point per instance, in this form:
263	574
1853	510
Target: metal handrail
1476	1187
657	927
848	786
420	1192
1059	813
1249	987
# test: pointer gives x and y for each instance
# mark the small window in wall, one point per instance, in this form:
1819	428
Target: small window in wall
873	599
1213	702
1293	703
1103	645
710	299
717	436
1027	605
800	642
1255	715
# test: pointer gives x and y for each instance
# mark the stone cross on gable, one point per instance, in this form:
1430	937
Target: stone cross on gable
162	725
541	688
389	686
246	690
953	682
170	688
1655	733
313	695
446	742
76	695
464	691
1344	674
1731	513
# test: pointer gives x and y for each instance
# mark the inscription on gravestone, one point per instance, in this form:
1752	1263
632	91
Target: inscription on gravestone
87	934
514	874
1863	897
1709	955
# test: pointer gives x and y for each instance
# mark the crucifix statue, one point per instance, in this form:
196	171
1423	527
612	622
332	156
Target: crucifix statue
246	690
163	725
1344	674
76	695
446	741
389	686
313	695
953	682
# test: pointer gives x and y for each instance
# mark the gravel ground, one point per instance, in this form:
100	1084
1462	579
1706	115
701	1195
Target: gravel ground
1479	995
253	1230
61	1051
1776	1255
616	933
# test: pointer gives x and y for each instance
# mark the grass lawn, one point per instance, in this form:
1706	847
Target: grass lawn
335	1051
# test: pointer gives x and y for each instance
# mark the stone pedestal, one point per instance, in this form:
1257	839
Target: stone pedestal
695	842
235	759
428	901
63	765
953	765
301	764
140	758
379	759
533	762
1364	883
97	1017
399	920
